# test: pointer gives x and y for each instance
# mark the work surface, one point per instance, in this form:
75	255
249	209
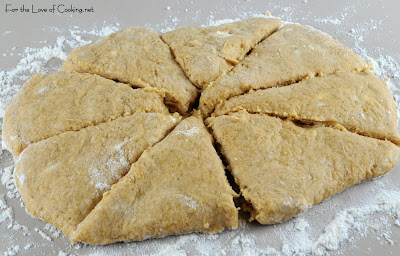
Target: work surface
362	219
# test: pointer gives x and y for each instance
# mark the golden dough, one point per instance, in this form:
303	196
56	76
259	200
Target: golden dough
139	57
175	187
283	169
291	54
48	105
62	178
105	162
208	52
360	102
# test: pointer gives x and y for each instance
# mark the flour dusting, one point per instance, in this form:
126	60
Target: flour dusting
109	167
343	225
35	60
371	209
7	214
187	132
43	235
188	201
14	250
55	232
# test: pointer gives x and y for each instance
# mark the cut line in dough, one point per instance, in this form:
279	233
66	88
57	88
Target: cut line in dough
66	175
285	169
139	57
288	56
177	186
206	53
158	182
359	101
48	105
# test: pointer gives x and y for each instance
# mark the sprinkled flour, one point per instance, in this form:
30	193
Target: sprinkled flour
188	132
3	204
34	60
43	235
55	232
6	214
14	250
102	170
188	201
342	226
369	210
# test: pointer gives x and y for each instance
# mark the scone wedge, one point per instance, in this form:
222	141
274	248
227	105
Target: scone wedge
62	178
359	101
139	57
206	53
291	54
48	105
177	186
284	168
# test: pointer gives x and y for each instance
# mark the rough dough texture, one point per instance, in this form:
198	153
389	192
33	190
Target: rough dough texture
48	105
285	169
291	54
209	52
177	186
359	101
62	178
139	57
103	162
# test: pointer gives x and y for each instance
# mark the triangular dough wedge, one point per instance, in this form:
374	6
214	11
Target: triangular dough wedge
139	57
285	169
287	56
358	101
62	178
208	52
48	105
177	186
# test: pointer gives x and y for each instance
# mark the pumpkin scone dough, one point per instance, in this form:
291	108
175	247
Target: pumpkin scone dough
48	105
297	116
177	186
208	52
284	169
291	54
359	101
139	57
62	178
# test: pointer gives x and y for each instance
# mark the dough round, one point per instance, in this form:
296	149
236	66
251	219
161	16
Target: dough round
297	117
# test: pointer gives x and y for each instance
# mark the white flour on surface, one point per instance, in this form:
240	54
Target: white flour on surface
345	222
373	210
55	232
43	235
34	60
14	250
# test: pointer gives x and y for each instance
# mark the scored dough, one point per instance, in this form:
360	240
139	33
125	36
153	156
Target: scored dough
177	186
285	169
208	52
48	105
102	161
139	57
291	54
62	178
359	101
